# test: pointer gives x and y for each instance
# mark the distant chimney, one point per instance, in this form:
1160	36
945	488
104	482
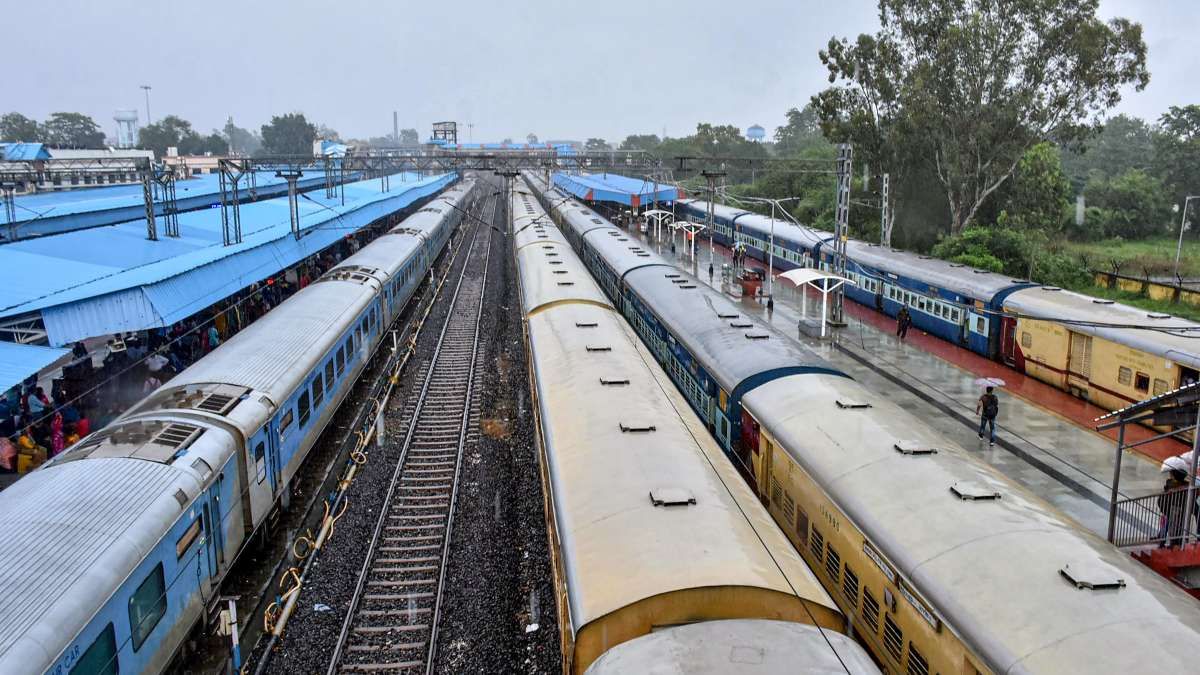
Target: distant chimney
395	126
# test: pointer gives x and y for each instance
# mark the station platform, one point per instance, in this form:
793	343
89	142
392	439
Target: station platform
112	279
1045	437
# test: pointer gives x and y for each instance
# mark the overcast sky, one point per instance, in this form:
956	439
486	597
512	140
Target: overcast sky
563	69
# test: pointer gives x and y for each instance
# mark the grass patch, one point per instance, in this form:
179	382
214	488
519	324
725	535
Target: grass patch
1181	310
1157	255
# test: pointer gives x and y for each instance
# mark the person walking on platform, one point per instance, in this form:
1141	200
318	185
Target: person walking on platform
1172	503
903	321
988	407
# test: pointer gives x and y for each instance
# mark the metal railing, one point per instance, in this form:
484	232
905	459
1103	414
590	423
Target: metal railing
1161	518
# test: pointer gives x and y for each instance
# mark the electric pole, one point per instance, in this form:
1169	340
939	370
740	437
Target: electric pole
885	213
711	177
841	229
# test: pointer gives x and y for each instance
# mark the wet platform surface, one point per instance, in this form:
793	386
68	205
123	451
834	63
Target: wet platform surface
1045	438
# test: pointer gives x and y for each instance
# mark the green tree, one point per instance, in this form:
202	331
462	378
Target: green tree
240	141
290	134
213	143
1124	143
1177	151
409	137
171	131
1038	198
595	145
972	86
72	130
17	128
1132	205
643	142
802	131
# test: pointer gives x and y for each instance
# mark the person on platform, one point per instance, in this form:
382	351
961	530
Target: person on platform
1172	505
903	321
988	407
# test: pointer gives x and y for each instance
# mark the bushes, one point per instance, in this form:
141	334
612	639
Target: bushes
1017	253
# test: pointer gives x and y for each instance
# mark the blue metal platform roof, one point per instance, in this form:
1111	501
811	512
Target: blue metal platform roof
611	187
45	213
18	362
23	152
109	279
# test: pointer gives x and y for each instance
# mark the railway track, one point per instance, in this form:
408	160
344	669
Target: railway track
392	622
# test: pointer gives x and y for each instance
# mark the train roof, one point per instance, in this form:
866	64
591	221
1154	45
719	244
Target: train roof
645	504
549	271
719	210
734	349
72	532
996	569
1055	304
736	647
961	279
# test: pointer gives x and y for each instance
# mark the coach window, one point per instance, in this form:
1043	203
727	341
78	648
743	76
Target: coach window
100	658
147	606
318	390
1142	382
980	325
1026	339
329	375
1160	387
1125	376
302	406
340	358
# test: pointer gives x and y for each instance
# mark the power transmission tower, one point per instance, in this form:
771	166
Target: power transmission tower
841	230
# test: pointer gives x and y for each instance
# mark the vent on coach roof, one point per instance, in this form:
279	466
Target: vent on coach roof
555	262
957	265
586	324
671	276
669	496
217	403
643	255
688	286
613	382
679	281
551	254
405	230
177	435
973	492
566	283
637	428
726	316
560	271
597	221
1090	576
429	209
548	247
1158	316
981	271
735	324
913	448
851	404
1051	288
594	348
757	336
181	497
1100	301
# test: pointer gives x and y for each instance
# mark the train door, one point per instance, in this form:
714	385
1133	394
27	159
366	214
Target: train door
215	536
1188	376
1079	364
1008	340
262	472
210	526
748	448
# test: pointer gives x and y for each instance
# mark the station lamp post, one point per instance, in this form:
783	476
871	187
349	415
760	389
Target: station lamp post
1183	223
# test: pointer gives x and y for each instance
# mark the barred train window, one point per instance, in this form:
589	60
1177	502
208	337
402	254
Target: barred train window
1125	375
1026	339
1141	382
1160	386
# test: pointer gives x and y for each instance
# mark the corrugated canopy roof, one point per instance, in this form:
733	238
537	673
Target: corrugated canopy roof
18	362
109	279
23	152
611	187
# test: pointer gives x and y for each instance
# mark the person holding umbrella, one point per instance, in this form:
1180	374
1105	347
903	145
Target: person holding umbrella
988	408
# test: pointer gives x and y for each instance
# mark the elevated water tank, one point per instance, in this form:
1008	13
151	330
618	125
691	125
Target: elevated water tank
756	133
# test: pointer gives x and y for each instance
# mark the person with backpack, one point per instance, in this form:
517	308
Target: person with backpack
988	407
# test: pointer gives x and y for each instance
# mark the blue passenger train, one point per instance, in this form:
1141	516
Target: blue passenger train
114	550
955	302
